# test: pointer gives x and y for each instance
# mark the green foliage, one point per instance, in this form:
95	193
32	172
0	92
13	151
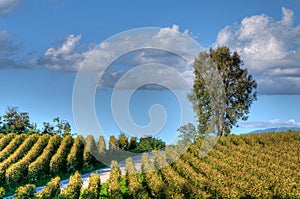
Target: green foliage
90	151
18	154
150	143
94	188
154	182
51	190
135	188
58	163
5	140
15	121
245	166
25	192
75	157
60	127
17	172
113	143
239	87
187	134
132	143
123	142
2	192
40	166
101	145
73	188
12	146
114	188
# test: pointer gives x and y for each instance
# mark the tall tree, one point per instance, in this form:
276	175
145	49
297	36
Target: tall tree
15	121
238	84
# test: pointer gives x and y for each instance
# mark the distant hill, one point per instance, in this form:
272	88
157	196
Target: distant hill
275	130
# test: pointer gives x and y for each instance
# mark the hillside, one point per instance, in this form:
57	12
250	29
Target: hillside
275	130
246	166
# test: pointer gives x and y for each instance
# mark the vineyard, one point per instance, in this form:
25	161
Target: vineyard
245	166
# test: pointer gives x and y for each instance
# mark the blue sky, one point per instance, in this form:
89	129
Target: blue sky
42	44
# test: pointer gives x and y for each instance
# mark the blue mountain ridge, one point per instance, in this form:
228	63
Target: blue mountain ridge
275	130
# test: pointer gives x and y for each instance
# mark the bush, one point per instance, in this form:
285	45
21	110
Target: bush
12	146
135	188
51	190
94	188
114	188
5	140
18	171
25	192
73	189
58	163
101	145
90	151
41	165
2	192
75	157
150	143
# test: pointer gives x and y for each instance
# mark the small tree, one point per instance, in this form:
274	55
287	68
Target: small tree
132	143
150	143
187	134
239	87
123	141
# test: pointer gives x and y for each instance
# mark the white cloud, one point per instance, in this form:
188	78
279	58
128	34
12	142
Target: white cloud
270	124
65	57
270	49
140	50
7	5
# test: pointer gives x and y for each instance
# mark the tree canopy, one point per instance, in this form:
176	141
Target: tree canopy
239	87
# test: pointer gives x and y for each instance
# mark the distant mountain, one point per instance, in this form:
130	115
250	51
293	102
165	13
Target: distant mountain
276	130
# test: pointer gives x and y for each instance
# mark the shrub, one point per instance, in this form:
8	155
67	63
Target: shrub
41	165
90	151
75	157
58	163
2	192
114	188
25	192
73	188
51	190
94	188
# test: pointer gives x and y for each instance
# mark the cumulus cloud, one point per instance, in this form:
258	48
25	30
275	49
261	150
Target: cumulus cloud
139	50
270	124
270	49
65	57
7	5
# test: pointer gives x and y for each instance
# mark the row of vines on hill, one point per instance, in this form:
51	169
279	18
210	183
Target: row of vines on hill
246	166
31	157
